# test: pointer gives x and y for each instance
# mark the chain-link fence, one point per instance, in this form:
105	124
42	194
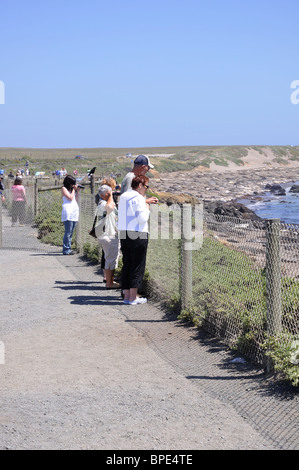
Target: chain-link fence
237	279
38	226
17	221
85	243
240	282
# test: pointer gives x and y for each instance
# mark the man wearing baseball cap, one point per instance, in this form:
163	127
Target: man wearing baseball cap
142	165
143	160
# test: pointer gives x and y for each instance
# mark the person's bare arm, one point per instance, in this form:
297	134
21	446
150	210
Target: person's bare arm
69	194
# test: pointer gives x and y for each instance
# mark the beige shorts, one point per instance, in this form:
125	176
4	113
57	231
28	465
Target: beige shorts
111	248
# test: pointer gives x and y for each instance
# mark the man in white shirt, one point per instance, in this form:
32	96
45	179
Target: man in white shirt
133	215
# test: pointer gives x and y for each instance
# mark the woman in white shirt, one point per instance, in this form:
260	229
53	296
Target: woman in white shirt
70	212
106	232
133	215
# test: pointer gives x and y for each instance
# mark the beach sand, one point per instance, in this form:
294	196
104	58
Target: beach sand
231	182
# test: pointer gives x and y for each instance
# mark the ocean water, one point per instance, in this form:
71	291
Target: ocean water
285	208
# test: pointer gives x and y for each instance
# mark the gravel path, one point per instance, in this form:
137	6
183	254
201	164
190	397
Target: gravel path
84	371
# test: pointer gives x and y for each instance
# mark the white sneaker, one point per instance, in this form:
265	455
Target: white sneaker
138	300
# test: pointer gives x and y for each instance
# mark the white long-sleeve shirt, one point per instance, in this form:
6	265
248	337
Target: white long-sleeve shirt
132	212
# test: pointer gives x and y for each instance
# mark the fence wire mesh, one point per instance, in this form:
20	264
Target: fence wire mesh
241	282
229	284
48	216
86	243
18	229
241	285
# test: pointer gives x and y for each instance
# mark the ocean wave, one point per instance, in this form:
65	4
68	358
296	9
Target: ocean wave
270	206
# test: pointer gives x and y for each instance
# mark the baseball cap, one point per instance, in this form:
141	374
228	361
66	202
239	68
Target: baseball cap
143	160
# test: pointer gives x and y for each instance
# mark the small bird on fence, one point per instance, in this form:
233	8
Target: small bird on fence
91	172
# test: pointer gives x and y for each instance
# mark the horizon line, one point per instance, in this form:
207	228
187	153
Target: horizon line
148	147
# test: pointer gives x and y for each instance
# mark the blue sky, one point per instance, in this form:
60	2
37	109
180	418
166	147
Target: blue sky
145	73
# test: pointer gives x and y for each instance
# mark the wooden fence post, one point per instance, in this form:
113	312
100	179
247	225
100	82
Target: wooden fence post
273	280
186	255
36	198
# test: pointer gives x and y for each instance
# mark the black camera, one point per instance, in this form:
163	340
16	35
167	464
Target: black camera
79	186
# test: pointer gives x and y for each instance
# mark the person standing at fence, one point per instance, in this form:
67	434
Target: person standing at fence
70	212
133	216
1	189
112	183
19	202
141	166
106	232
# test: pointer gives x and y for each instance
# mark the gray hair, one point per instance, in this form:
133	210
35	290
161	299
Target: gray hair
104	189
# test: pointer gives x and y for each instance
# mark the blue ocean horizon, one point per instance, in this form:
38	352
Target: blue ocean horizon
270	206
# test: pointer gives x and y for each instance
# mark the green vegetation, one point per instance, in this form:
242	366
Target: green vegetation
229	295
48	222
91	251
165	159
230	301
281	349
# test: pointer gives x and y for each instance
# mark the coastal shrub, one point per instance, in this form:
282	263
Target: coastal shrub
229	300
163	264
205	162
49	225
220	161
91	251
280	161
229	296
283	350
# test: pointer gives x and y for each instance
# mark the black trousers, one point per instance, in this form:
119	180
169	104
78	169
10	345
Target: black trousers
134	248
18	211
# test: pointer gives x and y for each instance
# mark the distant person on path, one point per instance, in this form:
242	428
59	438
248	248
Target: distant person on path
142	165
70	211
19	202
106	232
133	216
1	189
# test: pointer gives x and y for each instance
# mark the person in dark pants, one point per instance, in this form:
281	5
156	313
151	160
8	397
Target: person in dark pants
2	198
133	215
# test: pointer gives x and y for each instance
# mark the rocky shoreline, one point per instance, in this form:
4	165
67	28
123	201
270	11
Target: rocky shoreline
221	190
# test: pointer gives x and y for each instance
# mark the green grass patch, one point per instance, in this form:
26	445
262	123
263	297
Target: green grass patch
230	300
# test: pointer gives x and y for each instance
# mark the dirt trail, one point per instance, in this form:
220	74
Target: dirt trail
82	370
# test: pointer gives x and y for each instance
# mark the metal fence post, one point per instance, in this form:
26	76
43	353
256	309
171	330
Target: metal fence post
92	184
79	227
273	280
186	255
36	198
